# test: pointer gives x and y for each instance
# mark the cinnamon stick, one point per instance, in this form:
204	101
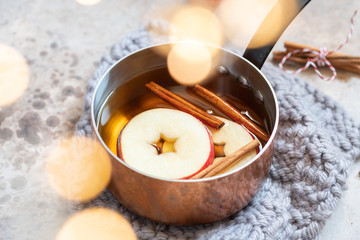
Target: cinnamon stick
183	105
223	163
306	55
231	112
280	55
290	46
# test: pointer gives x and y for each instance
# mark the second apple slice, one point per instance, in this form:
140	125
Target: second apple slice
166	143
233	136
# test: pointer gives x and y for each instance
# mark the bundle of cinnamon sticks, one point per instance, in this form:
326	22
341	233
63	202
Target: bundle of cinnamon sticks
338	60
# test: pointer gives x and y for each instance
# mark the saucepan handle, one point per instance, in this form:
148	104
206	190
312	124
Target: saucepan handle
289	9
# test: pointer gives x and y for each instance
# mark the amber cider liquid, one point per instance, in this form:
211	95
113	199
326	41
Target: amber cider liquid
115	113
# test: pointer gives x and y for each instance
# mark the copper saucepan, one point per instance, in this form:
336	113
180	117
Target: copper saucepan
189	202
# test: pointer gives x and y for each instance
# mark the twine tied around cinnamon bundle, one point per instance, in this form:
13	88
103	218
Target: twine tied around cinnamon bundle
314	57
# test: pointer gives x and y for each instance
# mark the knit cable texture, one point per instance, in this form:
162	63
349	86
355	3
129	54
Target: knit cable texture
316	144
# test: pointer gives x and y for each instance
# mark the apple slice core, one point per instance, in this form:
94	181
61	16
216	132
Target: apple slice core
191	151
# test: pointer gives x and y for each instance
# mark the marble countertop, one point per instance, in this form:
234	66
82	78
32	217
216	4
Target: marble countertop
63	41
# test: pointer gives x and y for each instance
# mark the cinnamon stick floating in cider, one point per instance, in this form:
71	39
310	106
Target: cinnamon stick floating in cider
183	105
230	111
223	163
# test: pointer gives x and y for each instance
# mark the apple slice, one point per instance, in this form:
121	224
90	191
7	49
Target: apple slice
166	143
232	136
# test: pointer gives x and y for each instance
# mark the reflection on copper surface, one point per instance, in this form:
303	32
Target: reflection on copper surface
14	75
96	223
78	168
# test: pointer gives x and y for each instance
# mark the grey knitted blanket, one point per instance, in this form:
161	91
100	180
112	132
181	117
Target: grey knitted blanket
316	144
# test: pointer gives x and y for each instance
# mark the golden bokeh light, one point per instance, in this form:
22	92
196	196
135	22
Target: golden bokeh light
197	33
88	2
96	223
78	168
210	4
14	75
196	24
241	18
189	63
282	14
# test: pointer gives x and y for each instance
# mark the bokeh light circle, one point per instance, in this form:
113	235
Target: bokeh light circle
189	63
196	24
78	168
96	223
241	18
14	75
88	2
